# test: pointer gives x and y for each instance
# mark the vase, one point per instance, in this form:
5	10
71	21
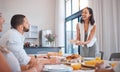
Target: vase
52	44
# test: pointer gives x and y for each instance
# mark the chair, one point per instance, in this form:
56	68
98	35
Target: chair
115	56
102	53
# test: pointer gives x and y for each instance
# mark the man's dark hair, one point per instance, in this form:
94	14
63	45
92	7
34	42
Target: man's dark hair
17	20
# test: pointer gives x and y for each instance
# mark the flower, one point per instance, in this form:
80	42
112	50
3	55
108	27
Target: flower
50	37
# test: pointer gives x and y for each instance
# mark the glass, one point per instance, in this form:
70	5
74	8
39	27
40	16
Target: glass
76	66
98	55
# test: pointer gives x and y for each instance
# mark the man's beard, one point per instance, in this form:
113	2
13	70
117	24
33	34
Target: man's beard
25	29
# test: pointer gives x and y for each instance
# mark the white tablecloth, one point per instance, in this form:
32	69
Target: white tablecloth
62	68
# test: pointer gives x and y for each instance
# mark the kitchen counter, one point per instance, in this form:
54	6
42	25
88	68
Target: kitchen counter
41	50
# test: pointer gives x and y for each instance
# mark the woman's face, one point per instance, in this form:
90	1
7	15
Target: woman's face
85	14
1	22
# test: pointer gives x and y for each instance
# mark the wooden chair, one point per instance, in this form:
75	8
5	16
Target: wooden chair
115	56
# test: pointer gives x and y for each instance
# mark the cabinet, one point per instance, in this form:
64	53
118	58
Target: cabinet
33	32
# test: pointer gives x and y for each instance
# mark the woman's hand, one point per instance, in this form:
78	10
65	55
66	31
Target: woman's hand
4	49
79	43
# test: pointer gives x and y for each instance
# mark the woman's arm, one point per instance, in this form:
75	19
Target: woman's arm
78	32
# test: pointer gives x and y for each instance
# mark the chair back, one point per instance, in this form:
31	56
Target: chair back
102	53
115	56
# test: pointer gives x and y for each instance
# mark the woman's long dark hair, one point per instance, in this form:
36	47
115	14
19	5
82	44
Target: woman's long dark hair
91	20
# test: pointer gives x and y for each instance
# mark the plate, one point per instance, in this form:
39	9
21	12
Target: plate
74	41
88	58
66	62
57	68
89	66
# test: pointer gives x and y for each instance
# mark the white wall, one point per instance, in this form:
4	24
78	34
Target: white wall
38	12
59	22
118	3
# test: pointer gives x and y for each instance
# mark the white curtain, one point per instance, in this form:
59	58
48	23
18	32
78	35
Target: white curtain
107	16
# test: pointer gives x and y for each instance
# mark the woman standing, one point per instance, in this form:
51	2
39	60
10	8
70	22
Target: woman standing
86	29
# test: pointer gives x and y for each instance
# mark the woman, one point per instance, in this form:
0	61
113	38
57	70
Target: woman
7	60
4	66
86	33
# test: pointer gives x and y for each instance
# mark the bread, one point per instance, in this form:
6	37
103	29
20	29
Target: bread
73	56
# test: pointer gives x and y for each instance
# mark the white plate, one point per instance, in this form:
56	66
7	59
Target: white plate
88	58
89	66
57	68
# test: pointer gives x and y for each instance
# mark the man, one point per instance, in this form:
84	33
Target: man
13	39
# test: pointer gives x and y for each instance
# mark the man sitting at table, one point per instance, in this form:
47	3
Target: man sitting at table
13	40
100	68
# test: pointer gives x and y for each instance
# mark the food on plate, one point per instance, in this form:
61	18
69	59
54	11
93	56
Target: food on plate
74	41
73	56
76	66
52	54
113	64
93	62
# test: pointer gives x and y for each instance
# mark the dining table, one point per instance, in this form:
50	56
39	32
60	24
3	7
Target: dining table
68	68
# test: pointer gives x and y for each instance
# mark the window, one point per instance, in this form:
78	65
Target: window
73	13
75	6
68	8
68	36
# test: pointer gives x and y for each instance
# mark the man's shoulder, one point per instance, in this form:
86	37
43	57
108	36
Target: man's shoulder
10	34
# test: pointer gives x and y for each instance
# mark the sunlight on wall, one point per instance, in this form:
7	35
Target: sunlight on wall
83	4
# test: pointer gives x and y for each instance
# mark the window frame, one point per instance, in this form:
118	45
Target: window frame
71	18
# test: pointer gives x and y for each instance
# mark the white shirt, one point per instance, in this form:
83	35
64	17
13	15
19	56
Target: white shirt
82	33
14	41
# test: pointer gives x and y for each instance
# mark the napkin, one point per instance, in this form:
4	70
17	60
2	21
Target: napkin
57	68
